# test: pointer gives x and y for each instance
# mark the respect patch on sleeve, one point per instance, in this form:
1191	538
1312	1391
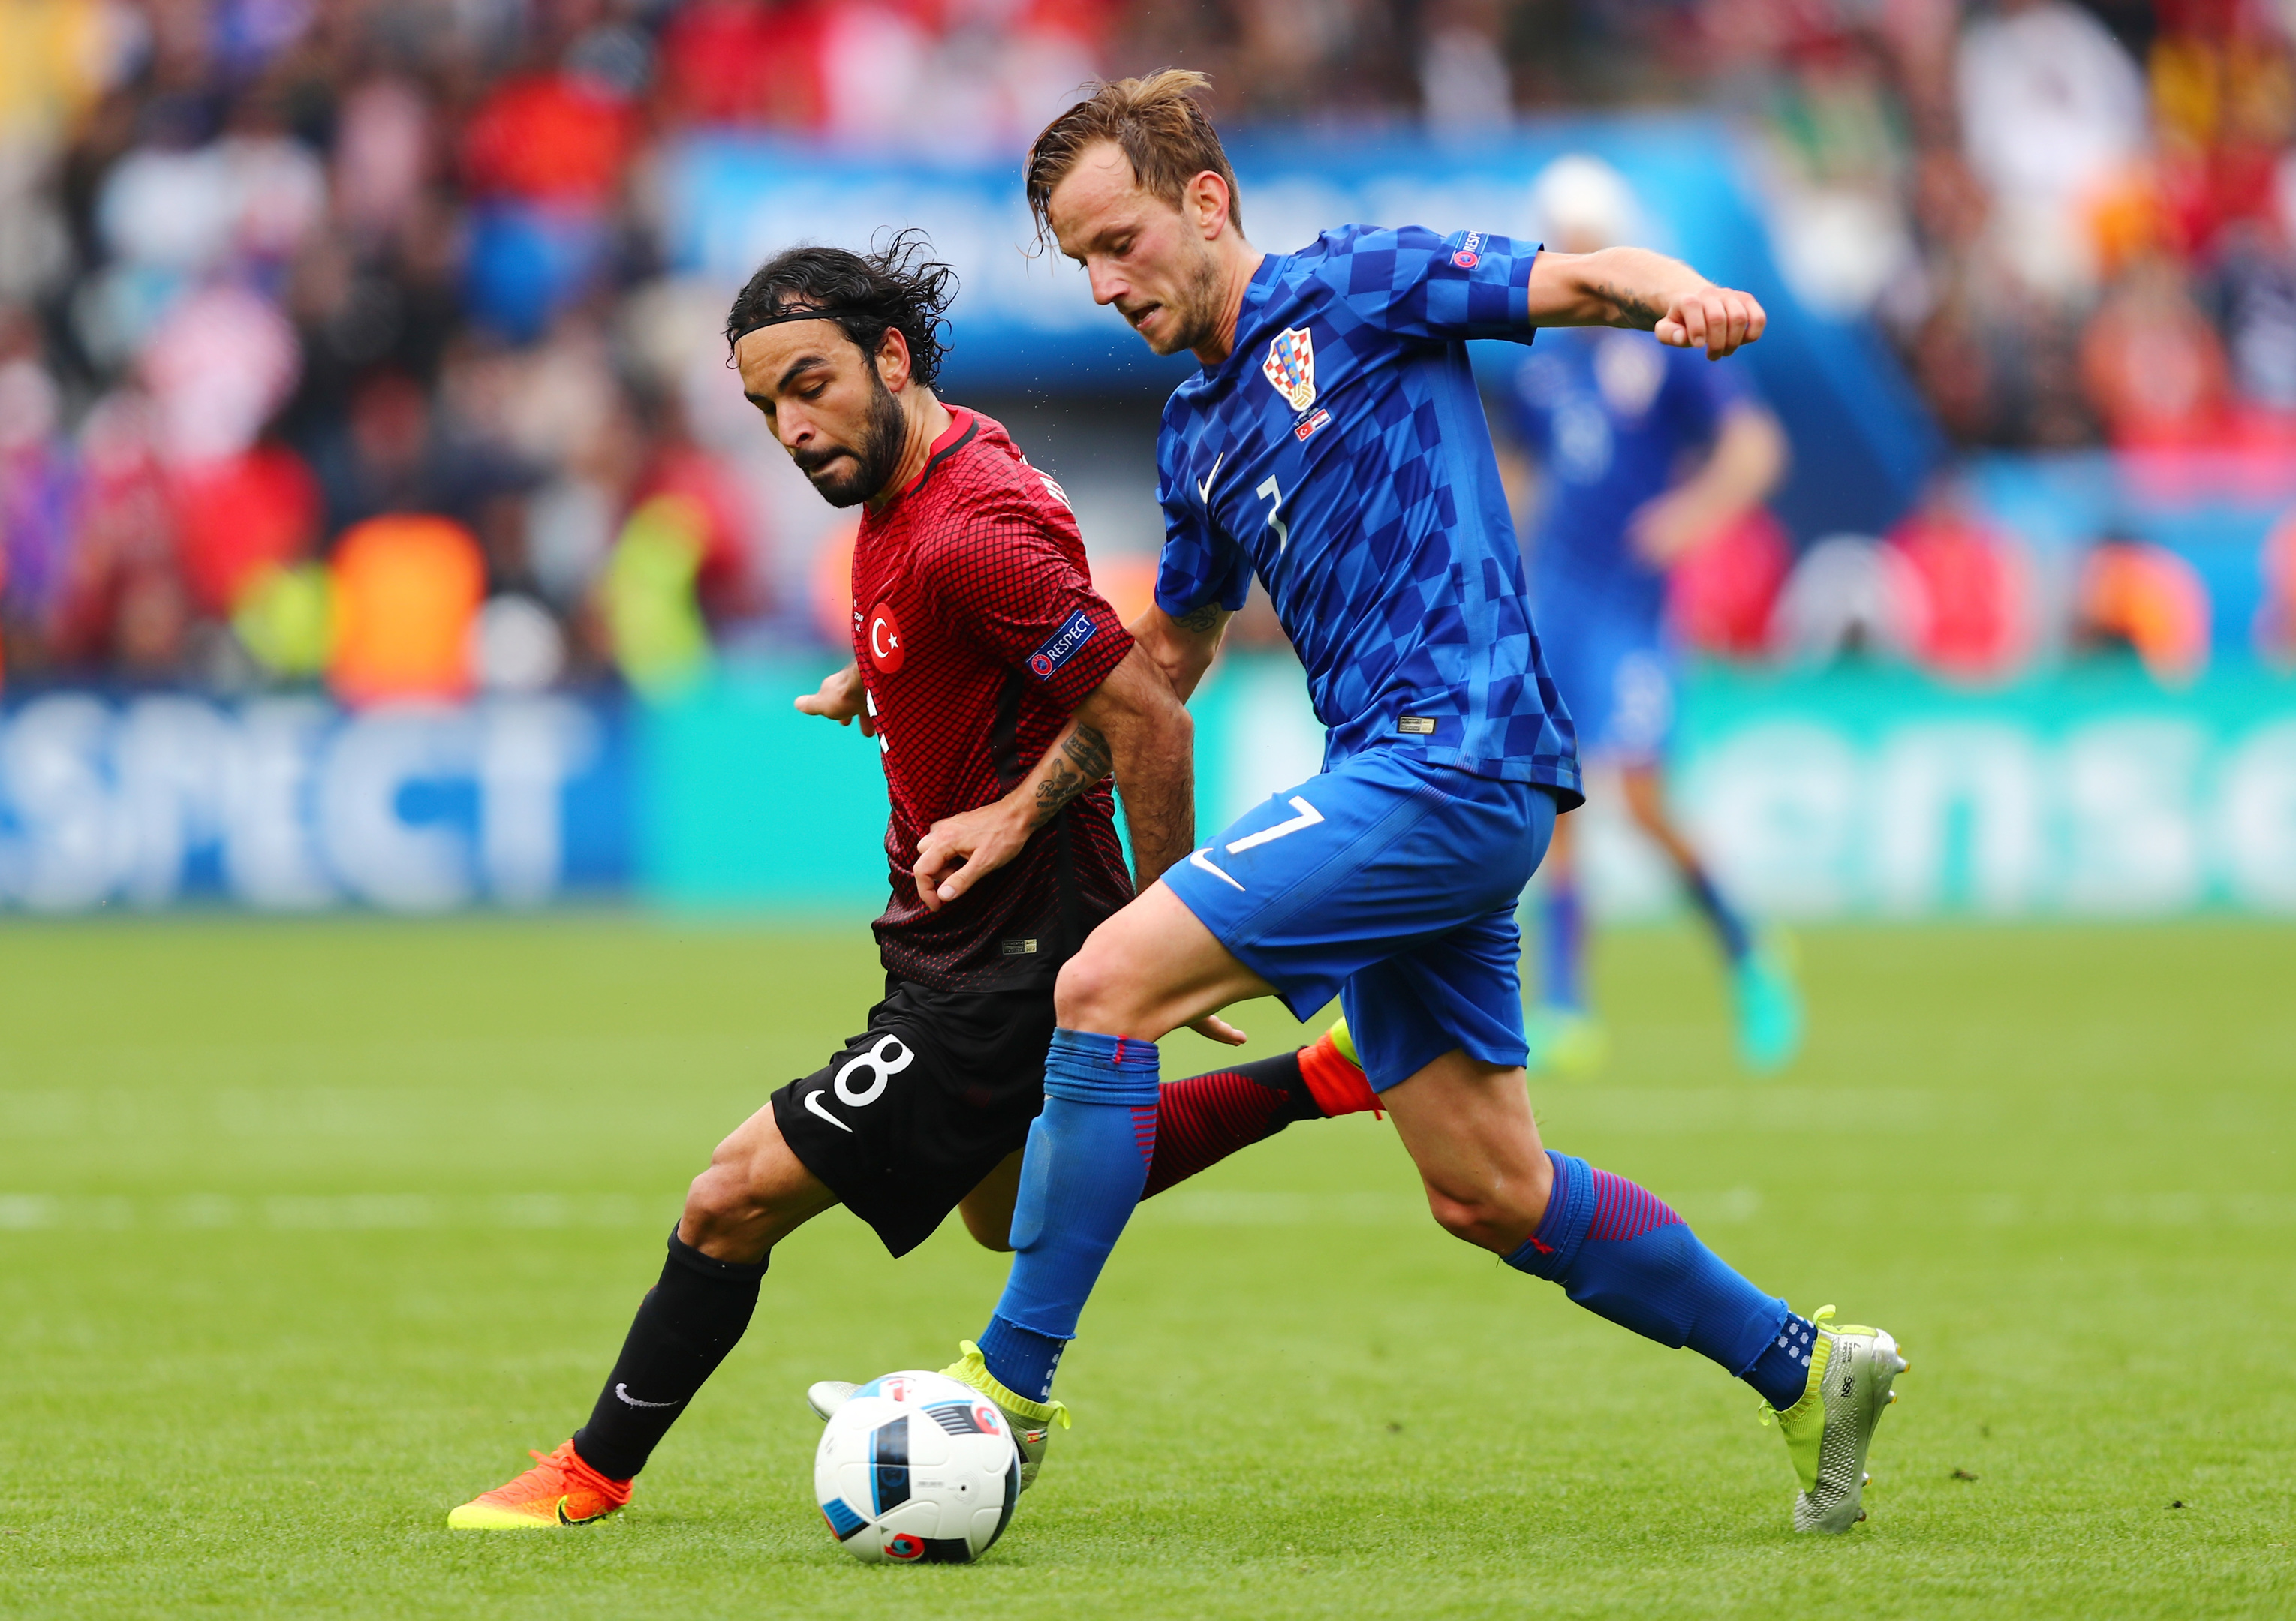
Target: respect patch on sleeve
1062	645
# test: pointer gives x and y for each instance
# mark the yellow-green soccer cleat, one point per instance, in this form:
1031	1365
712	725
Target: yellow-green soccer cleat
1829	1429
1032	1421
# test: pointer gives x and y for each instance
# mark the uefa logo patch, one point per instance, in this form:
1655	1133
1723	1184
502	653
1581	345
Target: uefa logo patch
1062	645
1470	253
1290	367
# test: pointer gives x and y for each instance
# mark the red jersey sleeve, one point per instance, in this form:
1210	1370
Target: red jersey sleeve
1021	592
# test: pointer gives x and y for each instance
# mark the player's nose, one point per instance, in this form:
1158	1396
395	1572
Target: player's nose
1107	286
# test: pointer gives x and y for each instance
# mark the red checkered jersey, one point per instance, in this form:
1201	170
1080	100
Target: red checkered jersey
977	634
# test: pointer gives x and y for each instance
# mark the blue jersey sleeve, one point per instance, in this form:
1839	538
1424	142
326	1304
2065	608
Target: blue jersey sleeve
1199	564
1417	284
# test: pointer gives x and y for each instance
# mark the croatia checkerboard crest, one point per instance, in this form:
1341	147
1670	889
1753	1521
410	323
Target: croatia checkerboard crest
1290	367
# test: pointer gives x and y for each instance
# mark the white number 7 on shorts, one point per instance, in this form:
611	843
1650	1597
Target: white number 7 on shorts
1308	816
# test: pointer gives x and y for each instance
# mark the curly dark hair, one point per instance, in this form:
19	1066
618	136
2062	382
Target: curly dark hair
896	286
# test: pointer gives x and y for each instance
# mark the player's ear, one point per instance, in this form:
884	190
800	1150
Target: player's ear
1210	205
892	360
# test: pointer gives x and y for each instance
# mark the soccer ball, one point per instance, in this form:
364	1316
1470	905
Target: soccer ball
916	1469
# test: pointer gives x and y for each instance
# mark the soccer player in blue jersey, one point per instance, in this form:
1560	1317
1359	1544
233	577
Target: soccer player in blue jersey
1646	453
1335	444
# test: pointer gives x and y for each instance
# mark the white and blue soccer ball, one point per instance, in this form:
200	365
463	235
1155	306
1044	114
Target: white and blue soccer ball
916	1469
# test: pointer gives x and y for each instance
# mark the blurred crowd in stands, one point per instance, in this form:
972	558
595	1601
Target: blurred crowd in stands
327	326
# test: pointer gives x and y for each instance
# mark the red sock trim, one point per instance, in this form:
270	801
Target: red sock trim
1625	1210
1338	1086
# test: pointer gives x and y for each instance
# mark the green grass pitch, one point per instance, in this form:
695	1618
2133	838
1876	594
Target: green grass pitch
310	1230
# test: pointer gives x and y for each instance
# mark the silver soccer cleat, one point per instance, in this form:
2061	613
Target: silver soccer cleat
826	1396
1830	1429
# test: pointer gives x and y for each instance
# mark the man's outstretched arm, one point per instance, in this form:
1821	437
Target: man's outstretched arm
1132	722
1633	287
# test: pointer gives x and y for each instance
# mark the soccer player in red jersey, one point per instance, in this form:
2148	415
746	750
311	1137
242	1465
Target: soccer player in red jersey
1000	689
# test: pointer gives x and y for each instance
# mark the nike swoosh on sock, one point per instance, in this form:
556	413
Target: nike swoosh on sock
622	1393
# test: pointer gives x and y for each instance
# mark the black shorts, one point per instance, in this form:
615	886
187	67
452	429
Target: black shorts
907	1119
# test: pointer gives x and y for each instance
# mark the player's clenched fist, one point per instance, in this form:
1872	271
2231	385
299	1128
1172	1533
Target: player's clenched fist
1720	319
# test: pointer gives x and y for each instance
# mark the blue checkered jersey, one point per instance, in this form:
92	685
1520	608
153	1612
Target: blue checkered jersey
1610	416
1340	452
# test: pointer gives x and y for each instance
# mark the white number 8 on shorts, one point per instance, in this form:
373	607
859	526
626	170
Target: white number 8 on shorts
883	1061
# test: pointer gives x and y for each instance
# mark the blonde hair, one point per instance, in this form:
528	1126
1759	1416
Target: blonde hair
1155	120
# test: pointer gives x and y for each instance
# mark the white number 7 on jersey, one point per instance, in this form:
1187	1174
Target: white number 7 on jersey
1282	534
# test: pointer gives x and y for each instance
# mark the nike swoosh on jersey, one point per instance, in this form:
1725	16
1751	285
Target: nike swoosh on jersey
813	1103
1200	858
1204	488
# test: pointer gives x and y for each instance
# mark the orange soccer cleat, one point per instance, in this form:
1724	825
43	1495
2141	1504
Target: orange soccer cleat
558	1490
1334	1076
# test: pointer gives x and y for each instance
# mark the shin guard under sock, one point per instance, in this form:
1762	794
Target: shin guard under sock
1619	1251
1086	1161
685	1326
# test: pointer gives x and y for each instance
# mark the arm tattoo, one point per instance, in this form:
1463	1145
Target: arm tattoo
1201	619
1639	310
1083	760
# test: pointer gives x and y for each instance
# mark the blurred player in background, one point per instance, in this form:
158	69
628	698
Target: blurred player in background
1001	689
1647	454
1332	444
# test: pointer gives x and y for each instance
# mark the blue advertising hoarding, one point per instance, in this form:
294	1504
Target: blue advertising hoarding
1851	793
291	803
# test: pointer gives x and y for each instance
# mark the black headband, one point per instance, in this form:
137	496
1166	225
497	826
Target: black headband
800	315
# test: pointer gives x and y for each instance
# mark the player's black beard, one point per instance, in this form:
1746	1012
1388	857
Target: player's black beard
848	475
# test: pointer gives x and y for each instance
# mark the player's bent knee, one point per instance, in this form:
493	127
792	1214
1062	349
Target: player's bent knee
721	1199
1488	1223
1091	992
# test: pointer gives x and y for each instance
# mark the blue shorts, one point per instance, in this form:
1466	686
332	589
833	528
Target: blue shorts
1617	679
1392	884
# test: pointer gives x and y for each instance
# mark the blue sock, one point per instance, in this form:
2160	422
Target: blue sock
1620	1252
1782	1372
1020	1359
1087	1163
1562	955
1729	928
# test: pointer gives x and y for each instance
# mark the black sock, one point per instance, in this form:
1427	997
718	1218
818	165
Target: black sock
685	1326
